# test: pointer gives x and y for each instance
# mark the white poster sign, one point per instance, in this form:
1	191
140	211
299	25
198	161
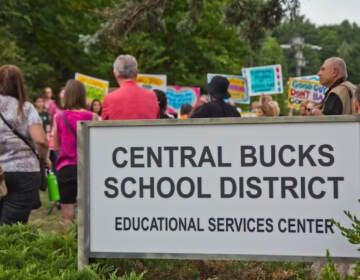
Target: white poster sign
233	189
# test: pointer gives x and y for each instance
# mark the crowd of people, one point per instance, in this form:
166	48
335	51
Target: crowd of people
50	123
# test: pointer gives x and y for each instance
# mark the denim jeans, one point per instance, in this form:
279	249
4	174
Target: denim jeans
16	206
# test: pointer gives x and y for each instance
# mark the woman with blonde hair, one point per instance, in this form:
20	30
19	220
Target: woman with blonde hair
21	133
65	145
302	107
265	110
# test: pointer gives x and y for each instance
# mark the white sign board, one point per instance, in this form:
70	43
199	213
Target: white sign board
231	189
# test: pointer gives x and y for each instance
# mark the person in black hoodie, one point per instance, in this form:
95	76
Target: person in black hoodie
217	91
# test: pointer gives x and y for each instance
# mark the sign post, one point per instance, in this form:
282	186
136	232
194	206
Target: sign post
251	190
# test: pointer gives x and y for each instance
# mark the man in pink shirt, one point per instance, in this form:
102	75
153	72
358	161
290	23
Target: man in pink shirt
130	101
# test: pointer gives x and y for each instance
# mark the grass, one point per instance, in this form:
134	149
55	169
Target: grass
47	221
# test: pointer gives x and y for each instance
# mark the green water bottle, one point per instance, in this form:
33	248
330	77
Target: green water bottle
53	187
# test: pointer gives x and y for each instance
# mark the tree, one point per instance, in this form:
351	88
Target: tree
303	28
182	40
255	17
350	52
44	41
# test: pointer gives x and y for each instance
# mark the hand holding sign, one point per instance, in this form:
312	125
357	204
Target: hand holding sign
178	96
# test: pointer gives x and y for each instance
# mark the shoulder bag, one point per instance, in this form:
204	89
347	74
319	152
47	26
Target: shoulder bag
23	138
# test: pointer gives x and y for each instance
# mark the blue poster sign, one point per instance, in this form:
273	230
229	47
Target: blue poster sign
264	79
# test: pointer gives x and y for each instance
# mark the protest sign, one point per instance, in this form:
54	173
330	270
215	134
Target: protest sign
152	81
264	79
179	95
95	88
300	90
237	88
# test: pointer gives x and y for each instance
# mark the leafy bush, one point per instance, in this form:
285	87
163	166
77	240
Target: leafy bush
353	235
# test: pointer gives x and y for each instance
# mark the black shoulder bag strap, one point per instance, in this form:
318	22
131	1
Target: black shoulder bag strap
67	124
41	163
18	134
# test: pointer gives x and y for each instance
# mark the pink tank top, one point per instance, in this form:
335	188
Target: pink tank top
67	140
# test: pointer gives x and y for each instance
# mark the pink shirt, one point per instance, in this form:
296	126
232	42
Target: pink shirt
52	108
67	140
130	102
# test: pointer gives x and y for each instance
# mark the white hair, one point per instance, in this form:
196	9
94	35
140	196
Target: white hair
125	66
339	64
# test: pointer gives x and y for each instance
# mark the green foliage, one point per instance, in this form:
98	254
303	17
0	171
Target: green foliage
330	272
353	235
23	247
335	40
132	276
185	40
185	44
253	19
42	38
32	254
